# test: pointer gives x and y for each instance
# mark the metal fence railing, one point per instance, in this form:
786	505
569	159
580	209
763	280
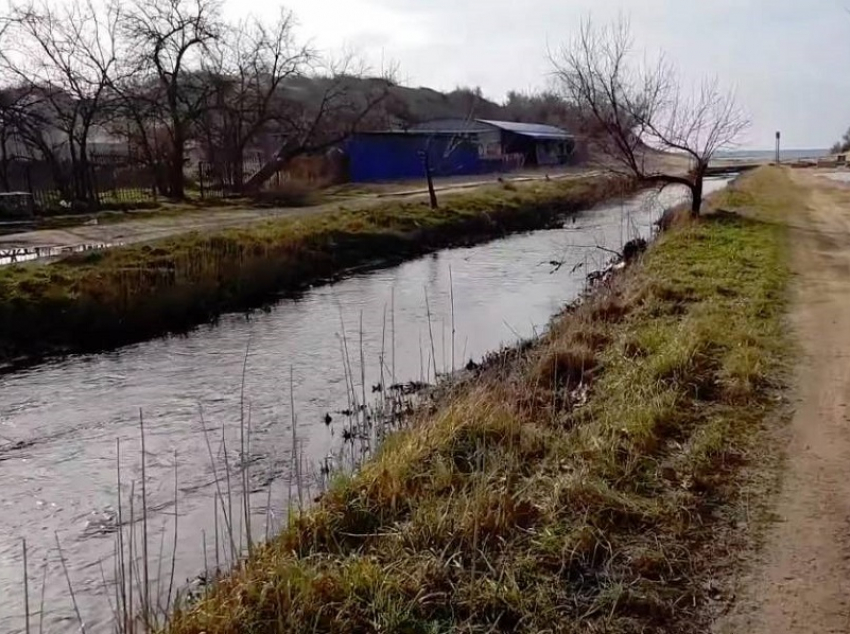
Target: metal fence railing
107	183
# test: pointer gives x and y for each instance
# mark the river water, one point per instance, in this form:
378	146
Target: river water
60	422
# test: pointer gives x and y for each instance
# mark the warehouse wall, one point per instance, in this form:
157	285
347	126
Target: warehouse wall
388	157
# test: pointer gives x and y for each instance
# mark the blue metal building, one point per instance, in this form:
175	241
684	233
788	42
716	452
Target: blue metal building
455	147
387	156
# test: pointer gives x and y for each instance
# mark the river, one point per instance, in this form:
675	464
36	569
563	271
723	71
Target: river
60	421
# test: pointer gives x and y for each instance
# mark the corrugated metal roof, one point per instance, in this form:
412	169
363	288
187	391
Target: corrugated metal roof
451	125
534	130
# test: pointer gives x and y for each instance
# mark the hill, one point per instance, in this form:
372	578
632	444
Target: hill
405	105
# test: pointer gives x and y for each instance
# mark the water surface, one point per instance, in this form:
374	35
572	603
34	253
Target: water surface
59	423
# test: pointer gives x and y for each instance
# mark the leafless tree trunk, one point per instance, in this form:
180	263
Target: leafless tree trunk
429	177
337	107
65	56
165	43
641	110
452	144
248	68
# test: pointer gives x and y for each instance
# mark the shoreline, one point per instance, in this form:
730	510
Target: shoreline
105	299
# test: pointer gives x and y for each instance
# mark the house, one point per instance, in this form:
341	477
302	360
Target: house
455	147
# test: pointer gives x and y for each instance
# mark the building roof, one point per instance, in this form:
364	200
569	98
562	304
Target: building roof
404	133
534	130
451	126
467	126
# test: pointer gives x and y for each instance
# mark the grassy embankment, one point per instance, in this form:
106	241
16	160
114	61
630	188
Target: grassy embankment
597	483
102	299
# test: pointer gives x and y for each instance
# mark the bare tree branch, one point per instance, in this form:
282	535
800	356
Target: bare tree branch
165	43
58	63
640	110
321	108
248	66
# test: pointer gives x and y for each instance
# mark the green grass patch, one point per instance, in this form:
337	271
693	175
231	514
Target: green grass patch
604	501
102	299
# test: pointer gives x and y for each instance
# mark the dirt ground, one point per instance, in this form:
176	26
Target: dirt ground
153	228
801	582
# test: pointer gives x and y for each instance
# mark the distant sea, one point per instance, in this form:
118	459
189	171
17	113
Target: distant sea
761	155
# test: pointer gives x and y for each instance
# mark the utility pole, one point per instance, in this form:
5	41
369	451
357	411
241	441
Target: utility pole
778	140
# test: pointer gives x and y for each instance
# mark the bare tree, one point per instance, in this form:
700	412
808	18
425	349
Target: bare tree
248	68
138	121
440	148
641	109
9	107
317	110
165	42
61	59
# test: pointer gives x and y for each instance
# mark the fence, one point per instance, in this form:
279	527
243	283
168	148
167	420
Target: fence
111	182
220	179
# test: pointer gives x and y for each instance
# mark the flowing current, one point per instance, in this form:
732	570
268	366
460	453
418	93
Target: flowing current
61	422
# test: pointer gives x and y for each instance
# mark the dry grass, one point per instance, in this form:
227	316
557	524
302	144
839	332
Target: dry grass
288	194
102	299
530	504
568	365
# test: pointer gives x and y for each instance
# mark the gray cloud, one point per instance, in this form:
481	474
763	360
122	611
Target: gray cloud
787	59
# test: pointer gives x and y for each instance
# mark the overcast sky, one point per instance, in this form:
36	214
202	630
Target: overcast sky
789	60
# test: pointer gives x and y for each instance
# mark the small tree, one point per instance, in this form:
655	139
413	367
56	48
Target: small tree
248	68
165	42
454	142
139	121
641	109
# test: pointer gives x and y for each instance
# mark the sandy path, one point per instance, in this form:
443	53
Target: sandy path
802	583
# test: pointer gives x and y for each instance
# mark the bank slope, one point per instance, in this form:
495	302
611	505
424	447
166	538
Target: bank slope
102	299
593	484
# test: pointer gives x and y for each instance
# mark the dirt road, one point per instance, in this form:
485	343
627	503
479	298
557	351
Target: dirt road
802	583
147	229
